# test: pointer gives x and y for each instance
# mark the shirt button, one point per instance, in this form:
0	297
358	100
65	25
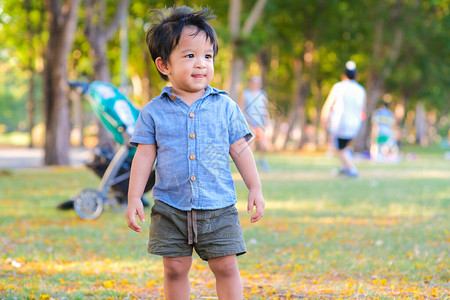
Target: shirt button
193	178
192	156
191	115
173	97
192	135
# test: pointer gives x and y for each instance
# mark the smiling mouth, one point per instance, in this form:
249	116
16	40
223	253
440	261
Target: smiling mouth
198	76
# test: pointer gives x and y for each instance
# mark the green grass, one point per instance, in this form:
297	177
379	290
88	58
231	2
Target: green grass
384	235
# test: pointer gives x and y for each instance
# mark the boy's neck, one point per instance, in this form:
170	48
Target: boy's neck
188	98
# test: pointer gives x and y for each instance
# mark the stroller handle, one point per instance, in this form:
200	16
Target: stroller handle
83	86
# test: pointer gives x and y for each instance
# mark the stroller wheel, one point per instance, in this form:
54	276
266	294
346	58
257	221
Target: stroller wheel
89	204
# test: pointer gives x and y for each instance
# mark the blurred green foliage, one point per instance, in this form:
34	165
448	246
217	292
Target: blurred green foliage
335	31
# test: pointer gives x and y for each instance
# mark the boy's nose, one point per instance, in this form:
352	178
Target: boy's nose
200	63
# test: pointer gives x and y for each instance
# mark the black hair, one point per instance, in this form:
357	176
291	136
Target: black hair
351	74
165	32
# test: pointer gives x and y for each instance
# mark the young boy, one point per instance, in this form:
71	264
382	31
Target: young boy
192	128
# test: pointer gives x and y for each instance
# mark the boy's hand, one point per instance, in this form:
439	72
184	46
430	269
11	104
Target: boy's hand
135	208
255	198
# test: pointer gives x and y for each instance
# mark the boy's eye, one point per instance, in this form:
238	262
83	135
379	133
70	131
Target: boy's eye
208	56
190	55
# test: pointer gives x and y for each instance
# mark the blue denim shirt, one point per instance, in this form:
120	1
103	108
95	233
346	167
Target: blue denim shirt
192	148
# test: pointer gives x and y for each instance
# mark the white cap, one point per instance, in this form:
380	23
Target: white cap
350	65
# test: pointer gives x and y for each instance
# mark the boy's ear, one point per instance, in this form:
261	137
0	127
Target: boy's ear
161	66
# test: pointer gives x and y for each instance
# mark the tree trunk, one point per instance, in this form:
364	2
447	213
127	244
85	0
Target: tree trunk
296	110
101	72
264	62
31	90
101	67
237	62
237	65
31	105
98	35
63	21
374	92
77	118
378	76
420	124
124	49
146	82
305	88
319	140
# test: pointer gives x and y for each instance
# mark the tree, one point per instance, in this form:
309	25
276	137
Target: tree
62	25
422	75
24	56
98	34
32	31
306	52
400	47
388	40
237	36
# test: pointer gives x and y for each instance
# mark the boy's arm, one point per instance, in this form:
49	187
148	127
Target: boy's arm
243	158
140	171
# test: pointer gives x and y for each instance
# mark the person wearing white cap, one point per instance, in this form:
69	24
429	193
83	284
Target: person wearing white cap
342	115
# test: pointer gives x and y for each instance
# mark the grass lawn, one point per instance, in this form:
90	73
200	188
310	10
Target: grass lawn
385	235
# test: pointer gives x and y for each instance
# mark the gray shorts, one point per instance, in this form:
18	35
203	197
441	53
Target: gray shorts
212	233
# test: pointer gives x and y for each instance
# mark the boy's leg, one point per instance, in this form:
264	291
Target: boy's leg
344	157
343	153
176	280
228	278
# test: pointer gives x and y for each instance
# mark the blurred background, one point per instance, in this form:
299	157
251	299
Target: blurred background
401	49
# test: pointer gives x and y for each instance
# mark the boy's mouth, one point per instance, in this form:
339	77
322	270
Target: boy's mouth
198	76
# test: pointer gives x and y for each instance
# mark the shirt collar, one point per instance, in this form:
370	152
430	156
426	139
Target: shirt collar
167	91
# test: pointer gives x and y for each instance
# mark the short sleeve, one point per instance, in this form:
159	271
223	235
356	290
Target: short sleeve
238	125
144	131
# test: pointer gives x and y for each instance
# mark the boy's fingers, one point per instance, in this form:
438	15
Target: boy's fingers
131	220
133	225
257	216
141	214
250	206
259	213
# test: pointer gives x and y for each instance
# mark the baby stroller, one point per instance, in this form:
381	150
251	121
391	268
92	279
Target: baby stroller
119	116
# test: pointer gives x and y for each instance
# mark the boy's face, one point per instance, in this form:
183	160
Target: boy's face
191	64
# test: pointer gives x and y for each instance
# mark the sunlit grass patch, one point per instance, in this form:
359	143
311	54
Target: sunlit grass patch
384	235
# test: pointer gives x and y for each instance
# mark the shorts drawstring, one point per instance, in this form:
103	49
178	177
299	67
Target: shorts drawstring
192	227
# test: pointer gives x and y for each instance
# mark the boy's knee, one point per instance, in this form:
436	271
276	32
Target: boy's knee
224	267
174	269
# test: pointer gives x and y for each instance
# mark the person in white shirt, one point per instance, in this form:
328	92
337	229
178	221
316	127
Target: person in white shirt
342	115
